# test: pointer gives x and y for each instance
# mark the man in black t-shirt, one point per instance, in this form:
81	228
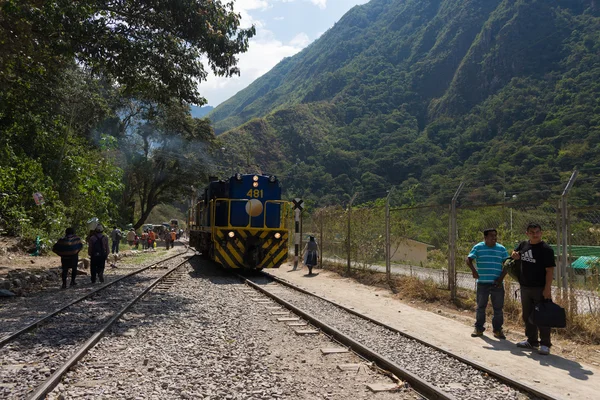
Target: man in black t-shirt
537	263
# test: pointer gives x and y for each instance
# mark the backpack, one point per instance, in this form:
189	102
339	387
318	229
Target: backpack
98	247
513	267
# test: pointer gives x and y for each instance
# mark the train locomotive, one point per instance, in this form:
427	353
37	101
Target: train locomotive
241	222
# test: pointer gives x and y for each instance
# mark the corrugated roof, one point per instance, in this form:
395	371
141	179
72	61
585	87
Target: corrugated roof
585	262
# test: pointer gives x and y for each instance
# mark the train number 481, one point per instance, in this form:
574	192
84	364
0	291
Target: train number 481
255	193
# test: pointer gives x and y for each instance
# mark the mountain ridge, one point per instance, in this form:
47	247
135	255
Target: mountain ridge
404	91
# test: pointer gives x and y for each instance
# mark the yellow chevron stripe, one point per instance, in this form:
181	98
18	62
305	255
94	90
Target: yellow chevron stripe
225	256
238	257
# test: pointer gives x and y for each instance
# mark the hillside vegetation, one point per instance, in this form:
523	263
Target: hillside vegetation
423	93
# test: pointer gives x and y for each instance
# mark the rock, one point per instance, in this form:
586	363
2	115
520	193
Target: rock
6	293
84	263
4	284
80	272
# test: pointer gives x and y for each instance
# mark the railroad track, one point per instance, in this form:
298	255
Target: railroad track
34	361
433	372
42	320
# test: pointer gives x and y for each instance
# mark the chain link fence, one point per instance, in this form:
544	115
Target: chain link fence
422	242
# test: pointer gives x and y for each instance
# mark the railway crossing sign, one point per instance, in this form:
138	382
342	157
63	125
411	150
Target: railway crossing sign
298	204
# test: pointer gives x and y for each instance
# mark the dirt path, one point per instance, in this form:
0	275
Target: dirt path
562	377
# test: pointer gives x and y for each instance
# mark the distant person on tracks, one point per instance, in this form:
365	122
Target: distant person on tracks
131	237
68	248
144	239
311	254
116	235
98	252
151	239
173	237
537	272
488	257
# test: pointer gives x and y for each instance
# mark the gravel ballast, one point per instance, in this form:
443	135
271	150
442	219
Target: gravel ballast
445	372
208	337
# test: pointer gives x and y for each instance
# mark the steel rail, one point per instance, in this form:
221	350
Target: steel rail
12	336
419	385
42	390
491	372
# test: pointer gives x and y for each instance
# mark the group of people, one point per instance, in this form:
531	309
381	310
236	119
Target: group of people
537	271
69	246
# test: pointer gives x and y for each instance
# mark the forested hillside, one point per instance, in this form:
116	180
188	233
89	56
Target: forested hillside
423	93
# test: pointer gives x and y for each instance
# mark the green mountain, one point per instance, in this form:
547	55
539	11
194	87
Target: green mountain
421	94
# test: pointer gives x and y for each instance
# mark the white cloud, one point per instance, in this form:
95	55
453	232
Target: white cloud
322	4
264	53
300	40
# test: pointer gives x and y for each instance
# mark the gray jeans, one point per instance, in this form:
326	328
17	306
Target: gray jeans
484	292
529	297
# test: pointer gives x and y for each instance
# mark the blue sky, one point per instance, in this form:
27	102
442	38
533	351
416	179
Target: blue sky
283	28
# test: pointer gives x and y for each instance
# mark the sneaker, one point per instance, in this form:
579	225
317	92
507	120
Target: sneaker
477	333
544	350
73	284
64	286
500	334
101	279
526	345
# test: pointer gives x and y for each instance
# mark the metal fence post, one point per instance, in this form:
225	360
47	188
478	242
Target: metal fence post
565	230
321	213
388	261
349	229
452	244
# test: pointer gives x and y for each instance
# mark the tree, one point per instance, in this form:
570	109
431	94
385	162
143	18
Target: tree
151	47
164	151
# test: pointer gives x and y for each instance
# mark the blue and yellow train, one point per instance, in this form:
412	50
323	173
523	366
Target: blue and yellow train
241	222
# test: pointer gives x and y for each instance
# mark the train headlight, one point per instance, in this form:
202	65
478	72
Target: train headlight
272	179
277	235
255	178
238	176
231	234
255	184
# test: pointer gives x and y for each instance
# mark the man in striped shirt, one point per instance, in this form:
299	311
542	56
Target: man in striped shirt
488	256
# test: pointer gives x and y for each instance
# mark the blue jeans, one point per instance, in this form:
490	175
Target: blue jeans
484	292
115	246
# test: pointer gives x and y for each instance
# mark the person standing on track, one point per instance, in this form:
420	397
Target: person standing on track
98	252
68	249
537	273
488	256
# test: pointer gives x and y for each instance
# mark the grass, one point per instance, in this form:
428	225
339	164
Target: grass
581	328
